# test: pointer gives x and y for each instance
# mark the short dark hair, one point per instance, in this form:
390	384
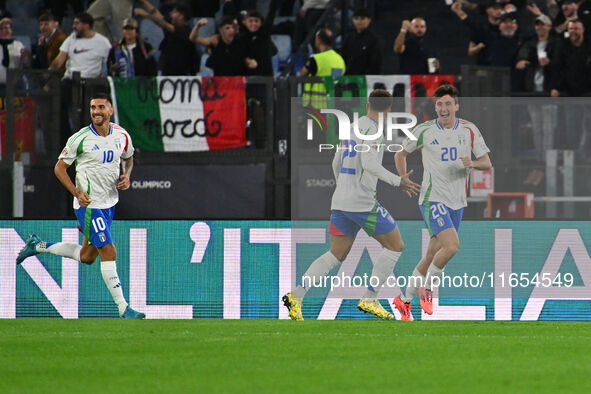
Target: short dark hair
46	16
101	96
362	12
380	100
85	17
326	36
226	20
446	89
183	10
255	14
576	20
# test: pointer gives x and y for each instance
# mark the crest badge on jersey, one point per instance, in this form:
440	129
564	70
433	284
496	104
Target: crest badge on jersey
440	222
118	143
102	237
462	140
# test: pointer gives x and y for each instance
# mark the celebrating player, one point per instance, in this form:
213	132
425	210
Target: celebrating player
98	150
354	206
446	145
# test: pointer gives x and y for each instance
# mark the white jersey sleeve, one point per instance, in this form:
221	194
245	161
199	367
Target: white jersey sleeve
371	162
479	147
411	145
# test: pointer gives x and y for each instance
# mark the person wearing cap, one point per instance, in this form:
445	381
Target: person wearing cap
178	54
254	35
362	49
131	56
414	50
534	57
13	53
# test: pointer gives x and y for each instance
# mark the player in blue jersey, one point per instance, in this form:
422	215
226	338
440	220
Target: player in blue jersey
354	206
447	144
103	153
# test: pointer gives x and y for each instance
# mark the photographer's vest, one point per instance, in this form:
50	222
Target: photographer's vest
329	64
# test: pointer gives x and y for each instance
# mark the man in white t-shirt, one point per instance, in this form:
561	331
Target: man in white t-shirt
84	50
446	144
357	167
103	153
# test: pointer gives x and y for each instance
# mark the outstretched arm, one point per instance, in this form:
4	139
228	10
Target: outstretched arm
370	164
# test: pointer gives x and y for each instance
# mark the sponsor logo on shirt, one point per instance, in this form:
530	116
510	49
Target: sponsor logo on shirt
434	142
65	151
95	147
77	51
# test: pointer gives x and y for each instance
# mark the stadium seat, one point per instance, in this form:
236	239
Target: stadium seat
208	30
203	69
283	44
151	33
25	40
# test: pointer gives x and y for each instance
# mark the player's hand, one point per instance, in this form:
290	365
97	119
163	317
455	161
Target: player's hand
466	161
124	182
83	199
408	186
406	25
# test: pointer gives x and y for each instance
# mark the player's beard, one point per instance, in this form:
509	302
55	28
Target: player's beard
96	122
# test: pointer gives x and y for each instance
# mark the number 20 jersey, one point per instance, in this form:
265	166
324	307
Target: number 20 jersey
445	179
98	161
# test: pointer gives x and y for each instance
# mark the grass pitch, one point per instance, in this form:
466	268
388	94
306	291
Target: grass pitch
202	356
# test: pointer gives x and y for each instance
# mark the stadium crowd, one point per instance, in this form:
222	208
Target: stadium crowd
545	43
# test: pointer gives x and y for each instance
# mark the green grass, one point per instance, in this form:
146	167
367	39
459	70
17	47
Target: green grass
103	356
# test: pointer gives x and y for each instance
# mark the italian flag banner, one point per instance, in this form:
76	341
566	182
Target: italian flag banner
181	114
406	87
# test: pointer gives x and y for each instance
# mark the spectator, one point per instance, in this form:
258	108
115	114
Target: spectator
573	78
415	53
85	50
480	32
227	56
132	56
255	37
569	13
178	54
307	18
119	10
13	54
362	49
534	57
325	63
49	43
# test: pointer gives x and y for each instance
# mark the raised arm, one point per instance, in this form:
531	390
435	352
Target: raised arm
152	13
399	42
205	41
